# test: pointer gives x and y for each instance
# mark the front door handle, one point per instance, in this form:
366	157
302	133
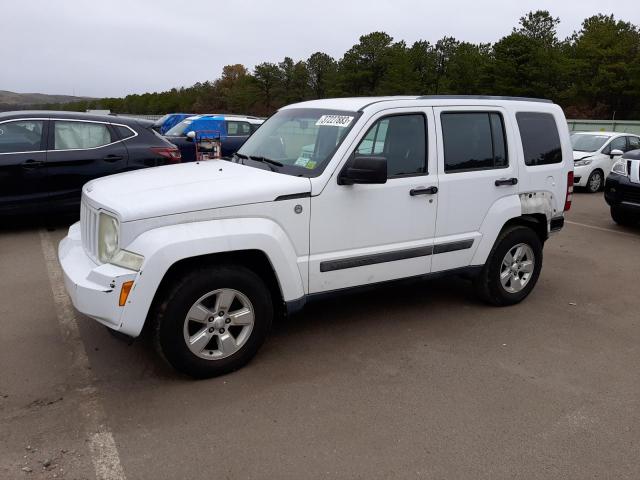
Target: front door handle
423	191
30	164
506	181
113	158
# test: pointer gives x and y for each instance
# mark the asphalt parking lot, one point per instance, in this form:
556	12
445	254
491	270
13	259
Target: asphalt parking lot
402	382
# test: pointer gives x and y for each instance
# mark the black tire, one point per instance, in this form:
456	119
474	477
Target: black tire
180	297
592	185
622	217
488	284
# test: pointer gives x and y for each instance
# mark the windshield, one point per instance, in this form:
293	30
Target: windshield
179	129
587	143
303	140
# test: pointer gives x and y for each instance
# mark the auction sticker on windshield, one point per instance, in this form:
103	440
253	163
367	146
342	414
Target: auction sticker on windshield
334	121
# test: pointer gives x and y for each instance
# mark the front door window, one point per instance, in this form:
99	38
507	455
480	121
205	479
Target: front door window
21	136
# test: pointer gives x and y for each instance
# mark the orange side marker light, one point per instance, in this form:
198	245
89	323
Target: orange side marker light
124	292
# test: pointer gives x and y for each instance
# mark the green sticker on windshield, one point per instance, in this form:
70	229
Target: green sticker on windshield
311	165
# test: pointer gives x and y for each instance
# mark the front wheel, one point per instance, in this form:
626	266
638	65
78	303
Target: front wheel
595	181
213	320
622	217
512	269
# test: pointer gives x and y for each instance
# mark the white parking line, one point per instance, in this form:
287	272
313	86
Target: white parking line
104	453
602	229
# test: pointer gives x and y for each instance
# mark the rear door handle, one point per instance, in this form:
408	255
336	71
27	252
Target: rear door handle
30	164
113	158
423	191
506	181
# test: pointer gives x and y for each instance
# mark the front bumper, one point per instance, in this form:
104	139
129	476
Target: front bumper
620	191
581	175
94	289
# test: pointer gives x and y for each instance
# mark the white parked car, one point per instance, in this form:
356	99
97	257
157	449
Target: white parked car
595	153
397	187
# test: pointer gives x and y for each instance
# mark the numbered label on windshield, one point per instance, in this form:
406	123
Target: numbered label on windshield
334	121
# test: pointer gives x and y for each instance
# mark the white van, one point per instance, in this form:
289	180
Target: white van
397	187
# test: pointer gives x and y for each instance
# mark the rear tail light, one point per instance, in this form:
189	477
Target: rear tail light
569	197
172	154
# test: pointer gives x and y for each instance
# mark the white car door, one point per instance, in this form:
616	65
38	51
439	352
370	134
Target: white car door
477	165
367	233
606	161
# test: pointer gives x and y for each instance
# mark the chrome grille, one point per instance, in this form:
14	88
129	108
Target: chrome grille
89	230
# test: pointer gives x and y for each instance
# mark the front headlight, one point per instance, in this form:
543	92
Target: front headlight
108	249
620	167
582	163
108	237
126	259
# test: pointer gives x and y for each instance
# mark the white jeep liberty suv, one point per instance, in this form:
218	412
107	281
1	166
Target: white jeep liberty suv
326	195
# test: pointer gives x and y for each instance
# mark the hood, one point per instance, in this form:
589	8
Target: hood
188	187
582	155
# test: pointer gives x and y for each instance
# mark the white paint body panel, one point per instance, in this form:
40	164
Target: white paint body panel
355	220
188	187
466	197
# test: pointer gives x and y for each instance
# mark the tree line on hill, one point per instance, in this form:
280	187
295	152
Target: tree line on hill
594	73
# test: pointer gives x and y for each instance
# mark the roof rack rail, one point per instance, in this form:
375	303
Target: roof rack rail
483	97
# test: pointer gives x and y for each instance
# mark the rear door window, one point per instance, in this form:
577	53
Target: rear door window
21	136
634	143
473	141
80	135
540	138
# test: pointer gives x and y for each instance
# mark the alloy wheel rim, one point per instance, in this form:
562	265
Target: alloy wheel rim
595	182
517	268
218	324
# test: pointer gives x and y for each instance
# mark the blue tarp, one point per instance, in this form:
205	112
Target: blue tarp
173	120
213	126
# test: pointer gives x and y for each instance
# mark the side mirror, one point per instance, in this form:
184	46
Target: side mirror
615	153
361	169
191	135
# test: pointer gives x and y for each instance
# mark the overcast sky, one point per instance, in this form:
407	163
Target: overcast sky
116	47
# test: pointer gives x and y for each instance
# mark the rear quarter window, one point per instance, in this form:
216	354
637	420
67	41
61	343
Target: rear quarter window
124	132
540	138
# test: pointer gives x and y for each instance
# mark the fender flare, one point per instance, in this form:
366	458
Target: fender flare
503	210
164	246
508	208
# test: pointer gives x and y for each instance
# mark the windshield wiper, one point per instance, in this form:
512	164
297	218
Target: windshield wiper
265	160
258	158
270	163
241	156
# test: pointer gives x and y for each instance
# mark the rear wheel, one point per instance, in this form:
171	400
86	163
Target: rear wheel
213	320
622	217
595	181
512	269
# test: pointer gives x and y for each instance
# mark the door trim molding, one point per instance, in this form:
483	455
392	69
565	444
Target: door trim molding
375	258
